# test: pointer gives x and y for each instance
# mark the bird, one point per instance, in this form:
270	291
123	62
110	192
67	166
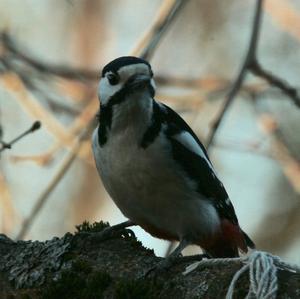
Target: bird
155	168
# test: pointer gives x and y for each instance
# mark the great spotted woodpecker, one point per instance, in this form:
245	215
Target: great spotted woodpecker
155	168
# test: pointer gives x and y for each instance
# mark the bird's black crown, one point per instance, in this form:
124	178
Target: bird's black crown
117	63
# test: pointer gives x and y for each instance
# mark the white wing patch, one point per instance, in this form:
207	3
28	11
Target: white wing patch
187	140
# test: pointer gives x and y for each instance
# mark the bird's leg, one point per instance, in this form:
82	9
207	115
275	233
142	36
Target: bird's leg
190	258
110	232
175	257
169	261
177	251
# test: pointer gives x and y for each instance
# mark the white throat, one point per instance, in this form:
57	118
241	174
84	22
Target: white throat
134	113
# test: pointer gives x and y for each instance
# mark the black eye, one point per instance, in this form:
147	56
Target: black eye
113	78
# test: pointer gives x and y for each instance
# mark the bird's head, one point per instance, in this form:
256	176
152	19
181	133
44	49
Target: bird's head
125	76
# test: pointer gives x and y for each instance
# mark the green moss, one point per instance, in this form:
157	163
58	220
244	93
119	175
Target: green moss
96	285
68	286
94	227
130	237
79	282
81	266
69	256
136	289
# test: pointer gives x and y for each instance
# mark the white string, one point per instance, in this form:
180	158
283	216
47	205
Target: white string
263	278
262	267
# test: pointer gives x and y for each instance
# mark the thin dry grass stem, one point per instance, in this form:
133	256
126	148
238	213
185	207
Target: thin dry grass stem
285	15
60	173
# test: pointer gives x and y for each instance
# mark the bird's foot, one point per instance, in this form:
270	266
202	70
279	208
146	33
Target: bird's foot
166	264
112	232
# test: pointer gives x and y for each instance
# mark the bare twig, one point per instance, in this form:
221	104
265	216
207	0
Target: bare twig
151	45
36	125
237	83
153	36
65	165
64	136
159	28
274	80
250	57
251	64
57	70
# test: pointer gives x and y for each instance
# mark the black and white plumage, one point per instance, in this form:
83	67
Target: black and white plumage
155	168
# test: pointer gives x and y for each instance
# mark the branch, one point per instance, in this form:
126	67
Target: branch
36	125
57	70
241	76
76	267
64	166
154	34
252	65
274	80
160	27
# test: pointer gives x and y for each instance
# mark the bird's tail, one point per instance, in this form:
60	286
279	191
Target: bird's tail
248	241
228	241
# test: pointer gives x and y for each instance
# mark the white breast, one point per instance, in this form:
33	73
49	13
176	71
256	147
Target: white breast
149	189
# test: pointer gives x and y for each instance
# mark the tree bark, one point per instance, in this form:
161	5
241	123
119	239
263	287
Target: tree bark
75	266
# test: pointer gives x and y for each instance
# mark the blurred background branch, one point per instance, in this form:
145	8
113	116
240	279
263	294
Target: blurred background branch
8	145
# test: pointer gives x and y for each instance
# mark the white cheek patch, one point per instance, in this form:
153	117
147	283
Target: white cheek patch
106	91
187	140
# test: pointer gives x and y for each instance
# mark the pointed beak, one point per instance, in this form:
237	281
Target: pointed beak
138	81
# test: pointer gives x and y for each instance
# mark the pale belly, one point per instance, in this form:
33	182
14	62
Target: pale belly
151	191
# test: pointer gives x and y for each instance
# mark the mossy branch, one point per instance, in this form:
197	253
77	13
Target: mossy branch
76	267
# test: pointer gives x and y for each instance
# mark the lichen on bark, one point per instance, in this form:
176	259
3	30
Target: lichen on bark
76	267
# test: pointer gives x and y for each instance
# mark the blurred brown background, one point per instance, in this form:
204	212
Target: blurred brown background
256	149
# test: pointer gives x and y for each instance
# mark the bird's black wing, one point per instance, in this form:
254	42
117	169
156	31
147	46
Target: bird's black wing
191	155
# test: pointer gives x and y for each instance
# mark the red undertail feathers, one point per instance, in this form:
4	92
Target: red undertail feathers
228	241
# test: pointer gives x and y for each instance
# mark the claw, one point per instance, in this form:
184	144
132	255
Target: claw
169	262
110	233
